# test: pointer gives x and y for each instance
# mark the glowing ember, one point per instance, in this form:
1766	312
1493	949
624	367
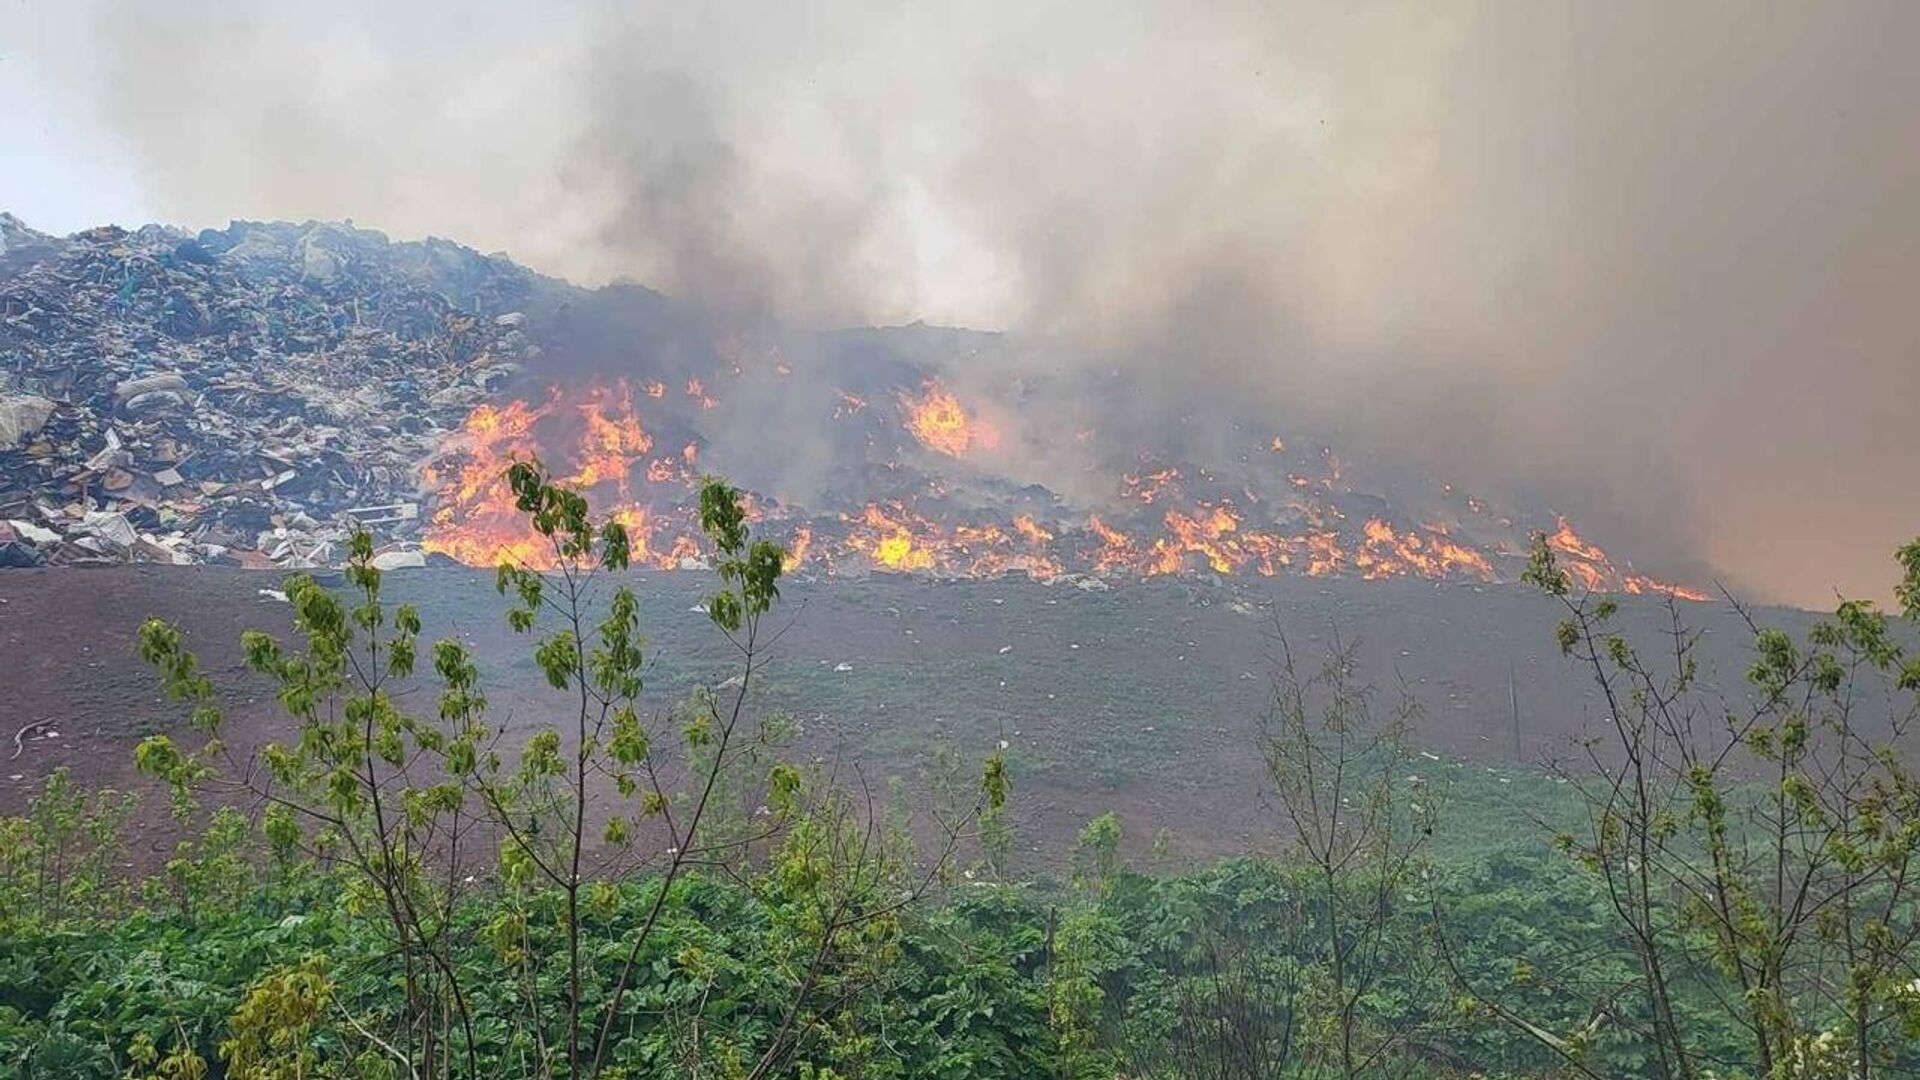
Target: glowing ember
849	405
1031	530
1152	486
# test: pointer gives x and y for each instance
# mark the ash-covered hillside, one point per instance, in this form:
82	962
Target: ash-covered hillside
250	395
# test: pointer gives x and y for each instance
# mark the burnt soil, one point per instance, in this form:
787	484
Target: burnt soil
1147	699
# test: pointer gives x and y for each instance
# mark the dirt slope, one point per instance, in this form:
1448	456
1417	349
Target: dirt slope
1145	698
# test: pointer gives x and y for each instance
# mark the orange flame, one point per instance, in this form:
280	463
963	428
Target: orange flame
1028	528
798	549
612	440
475	520
941	423
594	438
1586	564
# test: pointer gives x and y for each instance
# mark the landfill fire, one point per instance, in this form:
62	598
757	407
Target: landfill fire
1157	521
608	452
250	396
939	421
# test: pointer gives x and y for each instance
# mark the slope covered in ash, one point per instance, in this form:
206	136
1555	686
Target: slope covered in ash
1149	700
249	395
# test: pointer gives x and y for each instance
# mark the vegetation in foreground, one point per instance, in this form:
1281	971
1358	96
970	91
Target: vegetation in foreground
647	891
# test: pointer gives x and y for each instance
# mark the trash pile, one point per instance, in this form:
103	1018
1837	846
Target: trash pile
239	396
250	395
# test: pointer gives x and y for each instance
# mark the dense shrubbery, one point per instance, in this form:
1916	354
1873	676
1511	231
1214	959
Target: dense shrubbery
1219	972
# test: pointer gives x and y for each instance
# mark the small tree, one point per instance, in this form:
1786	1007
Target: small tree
1096	856
603	808
357	789
1338	770
57	862
1761	853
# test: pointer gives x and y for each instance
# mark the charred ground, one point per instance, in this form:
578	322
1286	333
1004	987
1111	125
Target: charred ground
1146	699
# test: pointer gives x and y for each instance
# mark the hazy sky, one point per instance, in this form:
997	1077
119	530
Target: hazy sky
1653	259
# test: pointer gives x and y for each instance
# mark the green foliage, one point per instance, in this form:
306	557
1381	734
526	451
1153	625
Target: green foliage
1219	972
1543	571
58	862
1907	592
271	1032
1759	869
552	963
1096	856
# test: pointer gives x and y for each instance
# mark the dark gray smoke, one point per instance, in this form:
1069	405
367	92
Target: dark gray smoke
1648	263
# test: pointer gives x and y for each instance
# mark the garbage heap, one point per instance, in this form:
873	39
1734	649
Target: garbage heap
239	396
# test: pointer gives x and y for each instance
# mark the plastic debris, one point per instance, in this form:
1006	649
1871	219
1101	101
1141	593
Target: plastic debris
245	396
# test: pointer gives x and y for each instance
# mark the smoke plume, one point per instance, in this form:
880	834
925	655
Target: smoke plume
1645	262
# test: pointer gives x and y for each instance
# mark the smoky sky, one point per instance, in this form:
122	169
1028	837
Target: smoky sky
1649	263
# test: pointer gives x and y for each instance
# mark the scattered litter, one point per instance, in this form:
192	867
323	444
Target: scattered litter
22	417
399	560
19	736
32	533
385	514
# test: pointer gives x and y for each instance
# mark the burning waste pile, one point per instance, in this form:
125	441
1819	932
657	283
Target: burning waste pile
236	396
917	480
251	394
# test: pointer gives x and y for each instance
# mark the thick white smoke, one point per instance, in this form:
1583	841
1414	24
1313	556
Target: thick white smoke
1645	261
